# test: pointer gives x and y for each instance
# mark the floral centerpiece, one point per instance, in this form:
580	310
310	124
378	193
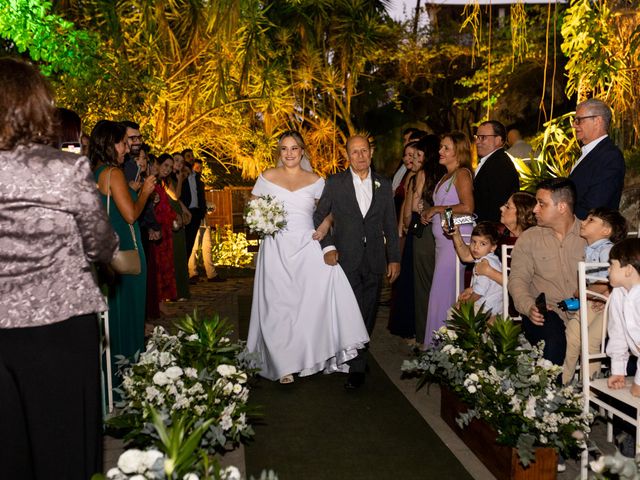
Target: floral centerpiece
265	215
195	378
505	382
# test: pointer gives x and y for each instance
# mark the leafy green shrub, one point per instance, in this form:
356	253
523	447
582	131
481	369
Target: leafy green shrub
230	249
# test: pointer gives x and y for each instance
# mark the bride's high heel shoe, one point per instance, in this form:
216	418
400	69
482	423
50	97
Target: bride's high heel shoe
286	379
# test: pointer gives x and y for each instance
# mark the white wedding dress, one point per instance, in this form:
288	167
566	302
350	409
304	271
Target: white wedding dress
304	315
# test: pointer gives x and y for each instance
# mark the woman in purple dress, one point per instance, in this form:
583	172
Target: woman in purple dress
455	191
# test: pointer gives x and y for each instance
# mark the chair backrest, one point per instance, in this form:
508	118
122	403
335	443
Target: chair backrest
635	233
505	257
466	238
585	294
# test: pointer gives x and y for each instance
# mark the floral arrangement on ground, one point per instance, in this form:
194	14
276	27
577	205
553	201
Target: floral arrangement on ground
193	383
505	381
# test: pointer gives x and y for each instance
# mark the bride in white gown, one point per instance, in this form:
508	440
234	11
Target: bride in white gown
304	316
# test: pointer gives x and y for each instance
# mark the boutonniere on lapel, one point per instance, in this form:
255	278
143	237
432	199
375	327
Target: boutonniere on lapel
376	184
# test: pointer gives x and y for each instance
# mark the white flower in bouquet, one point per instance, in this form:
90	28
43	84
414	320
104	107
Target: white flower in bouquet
265	215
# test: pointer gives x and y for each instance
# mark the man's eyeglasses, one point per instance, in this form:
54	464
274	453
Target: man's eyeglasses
578	120
482	138
135	138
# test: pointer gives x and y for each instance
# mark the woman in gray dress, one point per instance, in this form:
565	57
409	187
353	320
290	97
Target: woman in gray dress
53	226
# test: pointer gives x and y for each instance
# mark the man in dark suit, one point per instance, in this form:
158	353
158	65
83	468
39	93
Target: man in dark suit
364	237
495	178
193	197
599	172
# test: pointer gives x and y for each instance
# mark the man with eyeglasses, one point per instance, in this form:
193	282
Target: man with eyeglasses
147	221
495	177
599	172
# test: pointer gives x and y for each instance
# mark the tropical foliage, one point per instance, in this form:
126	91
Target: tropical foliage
228	77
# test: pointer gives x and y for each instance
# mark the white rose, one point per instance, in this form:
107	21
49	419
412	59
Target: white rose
131	461
226	370
472	389
165	358
160	379
231	473
237	388
473	377
190	476
154	460
116	474
173	372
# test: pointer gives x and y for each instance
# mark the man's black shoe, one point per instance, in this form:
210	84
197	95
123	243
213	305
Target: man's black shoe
193	280
216	279
354	380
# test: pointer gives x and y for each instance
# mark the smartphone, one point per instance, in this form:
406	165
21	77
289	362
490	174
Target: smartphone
541	303
448	217
137	179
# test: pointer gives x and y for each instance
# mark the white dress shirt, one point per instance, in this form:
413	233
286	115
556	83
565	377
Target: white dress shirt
191	179
624	329
397	178
482	160
364	191
586	149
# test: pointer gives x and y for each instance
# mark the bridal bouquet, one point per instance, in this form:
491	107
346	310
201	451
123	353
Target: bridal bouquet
265	215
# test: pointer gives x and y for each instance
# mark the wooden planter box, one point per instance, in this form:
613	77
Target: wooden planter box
502	461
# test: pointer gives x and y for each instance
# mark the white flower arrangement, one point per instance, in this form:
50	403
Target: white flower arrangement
197	374
505	382
265	215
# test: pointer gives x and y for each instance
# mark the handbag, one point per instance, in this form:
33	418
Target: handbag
125	262
416	227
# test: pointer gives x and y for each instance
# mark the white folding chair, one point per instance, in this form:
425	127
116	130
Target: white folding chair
466	238
505	256
595	391
105	348
634	233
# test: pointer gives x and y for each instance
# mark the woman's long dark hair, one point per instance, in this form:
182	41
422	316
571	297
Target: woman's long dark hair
433	171
102	142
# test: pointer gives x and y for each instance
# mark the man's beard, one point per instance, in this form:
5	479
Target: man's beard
135	150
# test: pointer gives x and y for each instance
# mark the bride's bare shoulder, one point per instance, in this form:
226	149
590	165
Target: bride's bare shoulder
270	173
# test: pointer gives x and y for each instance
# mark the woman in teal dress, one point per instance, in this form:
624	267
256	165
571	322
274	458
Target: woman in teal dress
126	294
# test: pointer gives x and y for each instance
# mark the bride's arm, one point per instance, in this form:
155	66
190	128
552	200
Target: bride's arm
323	228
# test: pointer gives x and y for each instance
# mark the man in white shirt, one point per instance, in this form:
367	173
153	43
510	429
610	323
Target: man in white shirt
364	237
599	172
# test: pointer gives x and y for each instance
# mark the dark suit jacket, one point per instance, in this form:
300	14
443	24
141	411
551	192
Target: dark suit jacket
374	237
185	196
494	184
599	178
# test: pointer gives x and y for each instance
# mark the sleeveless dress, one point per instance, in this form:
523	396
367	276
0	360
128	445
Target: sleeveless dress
443	286
163	251
304	315
128	296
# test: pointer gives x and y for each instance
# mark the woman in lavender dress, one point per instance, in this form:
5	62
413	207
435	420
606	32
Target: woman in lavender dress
455	191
